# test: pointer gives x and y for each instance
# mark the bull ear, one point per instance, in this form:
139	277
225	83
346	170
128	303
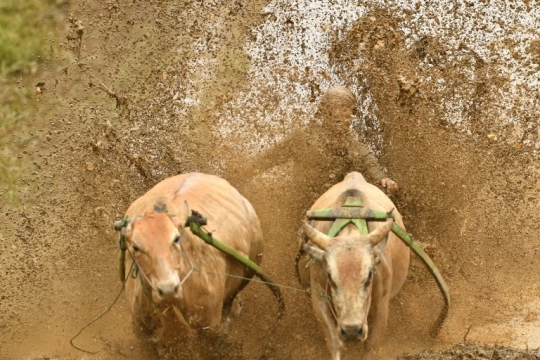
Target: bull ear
121	224
314	252
118	225
377	235
320	239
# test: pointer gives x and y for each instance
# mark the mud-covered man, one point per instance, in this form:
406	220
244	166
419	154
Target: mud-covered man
322	154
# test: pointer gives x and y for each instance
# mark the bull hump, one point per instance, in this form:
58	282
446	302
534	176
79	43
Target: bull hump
160	208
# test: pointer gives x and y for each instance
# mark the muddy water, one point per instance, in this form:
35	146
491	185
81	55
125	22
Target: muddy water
447	100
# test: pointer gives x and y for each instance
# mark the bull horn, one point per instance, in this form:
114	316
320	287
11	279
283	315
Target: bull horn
377	235
320	239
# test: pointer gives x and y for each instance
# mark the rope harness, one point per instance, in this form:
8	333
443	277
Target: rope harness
137	272
195	222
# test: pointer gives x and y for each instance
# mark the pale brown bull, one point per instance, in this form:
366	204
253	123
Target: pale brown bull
180	283
352	277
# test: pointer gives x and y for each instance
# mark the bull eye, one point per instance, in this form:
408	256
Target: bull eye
136	249
177	240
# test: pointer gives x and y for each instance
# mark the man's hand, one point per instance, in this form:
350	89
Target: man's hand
390	185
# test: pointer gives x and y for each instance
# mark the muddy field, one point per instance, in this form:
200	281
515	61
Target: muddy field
138	91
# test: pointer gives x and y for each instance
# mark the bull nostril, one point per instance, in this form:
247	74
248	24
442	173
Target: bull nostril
167	290
352	332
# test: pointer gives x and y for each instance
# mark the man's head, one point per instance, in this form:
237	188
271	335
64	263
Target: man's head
337	108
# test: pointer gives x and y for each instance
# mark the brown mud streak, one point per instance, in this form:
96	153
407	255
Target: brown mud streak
465	198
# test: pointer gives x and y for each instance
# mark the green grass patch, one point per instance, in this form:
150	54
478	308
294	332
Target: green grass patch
25	27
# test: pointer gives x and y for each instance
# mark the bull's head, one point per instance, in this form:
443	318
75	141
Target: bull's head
154	242
350	261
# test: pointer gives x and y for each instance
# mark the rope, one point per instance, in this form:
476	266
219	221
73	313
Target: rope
101	315
193	269
251	279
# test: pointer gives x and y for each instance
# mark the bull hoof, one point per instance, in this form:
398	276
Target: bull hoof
237	307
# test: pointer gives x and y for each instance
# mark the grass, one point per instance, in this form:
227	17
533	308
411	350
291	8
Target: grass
25	26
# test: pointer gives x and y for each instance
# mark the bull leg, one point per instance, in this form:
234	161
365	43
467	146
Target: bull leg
322	311
235	306
226	314
146	324
377	321
228	304
174	326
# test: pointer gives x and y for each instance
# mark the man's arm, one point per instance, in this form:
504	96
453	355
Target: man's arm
277	154
363	158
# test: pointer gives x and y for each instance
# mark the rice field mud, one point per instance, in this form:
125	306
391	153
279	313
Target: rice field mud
137	91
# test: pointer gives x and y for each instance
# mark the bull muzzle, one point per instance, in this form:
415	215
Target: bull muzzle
354	332
166	291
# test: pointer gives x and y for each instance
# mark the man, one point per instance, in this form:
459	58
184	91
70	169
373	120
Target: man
324	153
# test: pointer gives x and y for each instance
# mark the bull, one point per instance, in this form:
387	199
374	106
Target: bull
352	276
178	283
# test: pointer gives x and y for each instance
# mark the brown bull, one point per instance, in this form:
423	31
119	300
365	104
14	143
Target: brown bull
352	277
179	283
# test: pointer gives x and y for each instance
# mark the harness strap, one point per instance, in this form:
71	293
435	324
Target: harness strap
209	239
145	289
122	244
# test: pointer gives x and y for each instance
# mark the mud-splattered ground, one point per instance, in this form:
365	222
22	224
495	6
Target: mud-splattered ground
473	351
447	98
